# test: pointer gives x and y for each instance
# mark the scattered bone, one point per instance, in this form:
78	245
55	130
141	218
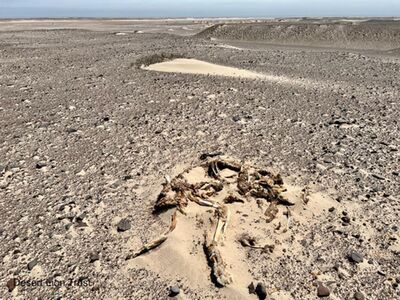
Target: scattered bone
155	243
218	267
271	211
288	214
204	156
248	241
305	196
222	214
241	182
232	199
148	247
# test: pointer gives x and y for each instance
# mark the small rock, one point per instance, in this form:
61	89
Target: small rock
236	118
377	176
81	224
174	291
322	291
346	219
332	209
252	289
71	130
55	248
81	217
11	284
40	164
343	273
94	257
123	225
355	257
32	264
381	273
3	184
261	291
359	296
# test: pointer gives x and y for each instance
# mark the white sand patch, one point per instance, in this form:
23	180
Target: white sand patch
194	66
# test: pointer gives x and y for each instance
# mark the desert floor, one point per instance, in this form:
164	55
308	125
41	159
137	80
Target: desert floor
95	115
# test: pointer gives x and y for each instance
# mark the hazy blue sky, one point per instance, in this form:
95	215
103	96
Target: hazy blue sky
197	8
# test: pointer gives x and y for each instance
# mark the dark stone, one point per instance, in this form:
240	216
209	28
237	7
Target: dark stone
332	209
261	291
355	257
322	291
94	257
123	225
379	177
346	219
127	177
359	296
11	284
32	264
71	130
174	291
80	224
235	118
81	217
40	164
252	288
381	273
55	248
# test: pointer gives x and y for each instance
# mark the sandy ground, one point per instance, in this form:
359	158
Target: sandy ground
88	138
194	66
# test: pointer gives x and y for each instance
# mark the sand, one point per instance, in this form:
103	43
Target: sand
194	66
182	258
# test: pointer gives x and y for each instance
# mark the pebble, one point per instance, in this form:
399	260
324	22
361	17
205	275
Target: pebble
236	118
252	289
11	284
81	216
55	248
322	291
379	177
40	164
174	291
32	264
355	257
94	257
346	219
359	296
123	225
261	291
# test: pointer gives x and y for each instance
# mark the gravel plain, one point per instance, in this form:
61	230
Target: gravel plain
87	136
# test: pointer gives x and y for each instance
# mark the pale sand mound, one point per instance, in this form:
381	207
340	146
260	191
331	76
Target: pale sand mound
182	258
194	66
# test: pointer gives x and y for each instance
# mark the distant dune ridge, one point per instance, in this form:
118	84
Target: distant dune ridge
352	34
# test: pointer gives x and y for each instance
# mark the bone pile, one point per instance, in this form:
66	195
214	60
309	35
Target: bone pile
250	183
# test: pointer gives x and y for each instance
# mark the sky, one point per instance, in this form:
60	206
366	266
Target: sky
197	8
